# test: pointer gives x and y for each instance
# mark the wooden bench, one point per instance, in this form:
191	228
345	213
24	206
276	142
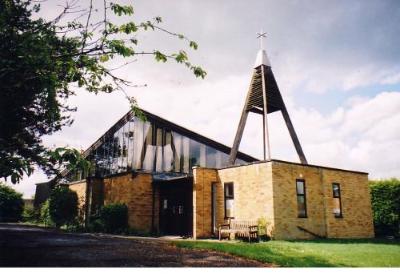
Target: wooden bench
240	228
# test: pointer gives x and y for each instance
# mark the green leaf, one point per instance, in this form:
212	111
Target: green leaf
193	45
199	72
128	28
181	57
160	56
104	58
121	9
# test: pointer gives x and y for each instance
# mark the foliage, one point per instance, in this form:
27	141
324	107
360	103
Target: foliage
63	206
11	204
31	215
45	217
44	62
114	218
385	198
322	253
262	227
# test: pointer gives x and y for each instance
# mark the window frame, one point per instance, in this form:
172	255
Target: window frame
305	199
340	215
231	197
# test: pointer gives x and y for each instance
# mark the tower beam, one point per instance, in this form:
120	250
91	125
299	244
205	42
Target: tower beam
263	97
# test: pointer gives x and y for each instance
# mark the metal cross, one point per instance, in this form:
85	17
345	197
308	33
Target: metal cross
261	35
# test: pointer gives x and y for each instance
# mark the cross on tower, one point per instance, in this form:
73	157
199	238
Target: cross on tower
261	35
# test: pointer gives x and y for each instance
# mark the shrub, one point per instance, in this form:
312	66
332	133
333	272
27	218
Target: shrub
11	204
31	215
63	206
263	228
114	218
45	214
385	198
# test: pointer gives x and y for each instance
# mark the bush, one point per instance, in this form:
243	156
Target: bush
263	228
11	204
385	198
31	215
114	218
63	206
45	214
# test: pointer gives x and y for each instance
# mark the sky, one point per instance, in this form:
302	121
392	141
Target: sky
337	64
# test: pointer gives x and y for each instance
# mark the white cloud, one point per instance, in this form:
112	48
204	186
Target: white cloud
391	79
364	136
313	47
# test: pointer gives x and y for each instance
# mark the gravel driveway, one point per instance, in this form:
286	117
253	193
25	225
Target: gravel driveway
22	245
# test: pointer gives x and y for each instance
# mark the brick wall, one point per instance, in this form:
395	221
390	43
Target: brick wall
269	190
202	180
136	192
357	221
80	188
252	195
356	203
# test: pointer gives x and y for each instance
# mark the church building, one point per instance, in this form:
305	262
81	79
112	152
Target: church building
177	182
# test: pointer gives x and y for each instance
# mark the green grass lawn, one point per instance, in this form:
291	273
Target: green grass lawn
327	252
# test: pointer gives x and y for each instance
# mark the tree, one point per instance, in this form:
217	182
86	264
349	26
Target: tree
41	61
63	206
11	204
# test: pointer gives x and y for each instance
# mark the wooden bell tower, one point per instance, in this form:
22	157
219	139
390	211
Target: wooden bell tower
264	97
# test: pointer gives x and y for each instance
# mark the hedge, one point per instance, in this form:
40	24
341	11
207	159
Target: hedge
63	206
114	218
11	204
385	198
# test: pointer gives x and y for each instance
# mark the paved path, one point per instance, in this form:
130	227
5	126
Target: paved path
22	245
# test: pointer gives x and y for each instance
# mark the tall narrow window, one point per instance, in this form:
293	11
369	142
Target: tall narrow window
301	198
337	200
229	200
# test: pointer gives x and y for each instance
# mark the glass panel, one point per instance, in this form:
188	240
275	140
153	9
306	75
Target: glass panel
159	150
140	131
300	187
177	141
229	208
150	150
229	190
129	136
125	150
336	190
194	153
185	154
301	206
211	157
218	159
202	155
168	153
336	207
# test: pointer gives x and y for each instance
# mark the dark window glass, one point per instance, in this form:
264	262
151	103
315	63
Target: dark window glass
301	198
337	200
229	200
